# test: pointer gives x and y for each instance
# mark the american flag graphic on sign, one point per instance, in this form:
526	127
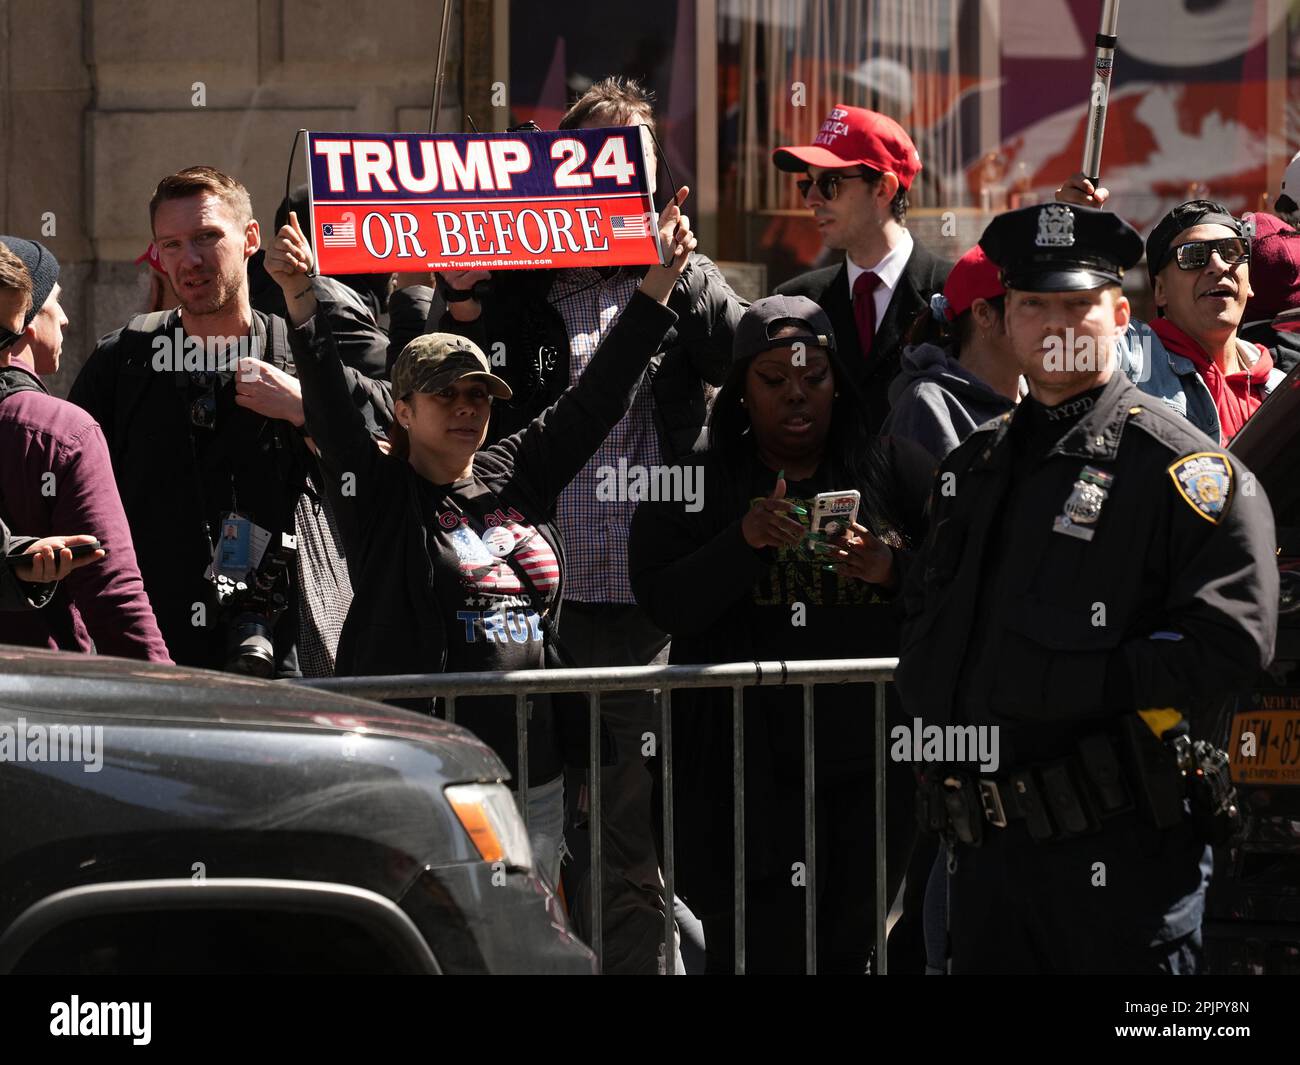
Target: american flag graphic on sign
339	234
630	225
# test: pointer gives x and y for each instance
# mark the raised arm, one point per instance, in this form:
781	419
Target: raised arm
550	451
333	420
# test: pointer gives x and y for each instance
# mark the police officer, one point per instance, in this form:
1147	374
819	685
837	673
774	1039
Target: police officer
1099	574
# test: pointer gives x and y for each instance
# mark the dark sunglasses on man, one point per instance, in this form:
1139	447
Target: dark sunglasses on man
1196	253
828	184
7	338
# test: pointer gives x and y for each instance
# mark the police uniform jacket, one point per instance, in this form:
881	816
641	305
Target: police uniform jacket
1127	564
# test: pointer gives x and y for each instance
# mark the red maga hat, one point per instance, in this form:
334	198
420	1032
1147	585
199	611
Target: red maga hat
854	136
1274	268
974	277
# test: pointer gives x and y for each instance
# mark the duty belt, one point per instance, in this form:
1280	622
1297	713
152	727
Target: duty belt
1060	799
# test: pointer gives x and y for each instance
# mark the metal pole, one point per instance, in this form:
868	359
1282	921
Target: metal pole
451	709
666	746
738	819
882	903
1107	39
441	65
809	835
594	815
521	751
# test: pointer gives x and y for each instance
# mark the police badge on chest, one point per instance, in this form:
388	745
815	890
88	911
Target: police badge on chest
1083	507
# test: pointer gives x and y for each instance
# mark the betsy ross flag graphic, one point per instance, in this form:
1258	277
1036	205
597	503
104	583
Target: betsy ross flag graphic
630	225
339	234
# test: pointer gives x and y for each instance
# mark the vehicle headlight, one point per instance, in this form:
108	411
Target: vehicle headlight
489	816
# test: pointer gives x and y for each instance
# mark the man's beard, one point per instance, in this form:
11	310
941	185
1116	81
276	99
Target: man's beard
220	293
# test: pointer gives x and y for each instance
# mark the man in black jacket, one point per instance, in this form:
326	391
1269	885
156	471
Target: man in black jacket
1098	575
203	418
858	172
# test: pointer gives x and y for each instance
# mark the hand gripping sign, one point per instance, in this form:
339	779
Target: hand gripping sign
492	201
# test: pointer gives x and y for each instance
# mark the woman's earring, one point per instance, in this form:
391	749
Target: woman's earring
742	401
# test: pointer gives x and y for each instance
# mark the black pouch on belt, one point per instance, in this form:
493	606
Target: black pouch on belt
1030	801
965	809
1160	786
1102	769
931	810
1067	800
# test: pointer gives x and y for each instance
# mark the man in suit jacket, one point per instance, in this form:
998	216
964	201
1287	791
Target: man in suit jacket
858	172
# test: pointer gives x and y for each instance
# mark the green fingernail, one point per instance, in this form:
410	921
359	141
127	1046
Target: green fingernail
798	509
831	568
780	474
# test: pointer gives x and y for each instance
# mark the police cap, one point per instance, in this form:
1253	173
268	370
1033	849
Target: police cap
1058	247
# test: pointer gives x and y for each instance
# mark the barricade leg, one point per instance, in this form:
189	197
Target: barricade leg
597	858
809	835
521	752
666	760
738	822
882	903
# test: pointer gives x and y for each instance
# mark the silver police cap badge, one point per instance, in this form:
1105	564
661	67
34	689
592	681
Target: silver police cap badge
1083	508
1055	226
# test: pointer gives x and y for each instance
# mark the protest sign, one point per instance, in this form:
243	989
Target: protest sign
481	201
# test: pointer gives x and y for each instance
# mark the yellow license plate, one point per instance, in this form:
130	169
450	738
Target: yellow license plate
1264	747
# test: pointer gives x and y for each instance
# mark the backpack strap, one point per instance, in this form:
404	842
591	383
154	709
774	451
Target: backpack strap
135	349
14	380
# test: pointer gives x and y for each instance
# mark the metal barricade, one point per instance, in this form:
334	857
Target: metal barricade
665	679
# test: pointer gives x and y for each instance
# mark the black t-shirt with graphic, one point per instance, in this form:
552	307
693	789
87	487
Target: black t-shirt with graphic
803	611
491	618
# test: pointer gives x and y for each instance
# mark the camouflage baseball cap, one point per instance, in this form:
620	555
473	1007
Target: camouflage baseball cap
435	360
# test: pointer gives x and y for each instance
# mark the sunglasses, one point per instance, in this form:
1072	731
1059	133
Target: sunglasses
7	338
1196	253
828	184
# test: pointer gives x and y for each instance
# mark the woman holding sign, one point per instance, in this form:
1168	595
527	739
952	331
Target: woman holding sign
455	564
745	578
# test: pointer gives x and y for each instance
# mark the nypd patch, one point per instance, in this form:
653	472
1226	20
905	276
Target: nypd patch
1204	480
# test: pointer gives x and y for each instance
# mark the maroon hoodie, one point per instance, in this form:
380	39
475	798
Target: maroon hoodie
101	607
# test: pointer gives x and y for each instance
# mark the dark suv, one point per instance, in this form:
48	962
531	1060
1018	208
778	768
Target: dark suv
165	820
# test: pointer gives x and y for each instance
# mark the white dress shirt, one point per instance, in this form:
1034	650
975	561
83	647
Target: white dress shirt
889	270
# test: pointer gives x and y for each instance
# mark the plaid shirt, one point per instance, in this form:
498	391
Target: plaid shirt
594	530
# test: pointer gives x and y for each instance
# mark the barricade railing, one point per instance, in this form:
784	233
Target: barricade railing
663	680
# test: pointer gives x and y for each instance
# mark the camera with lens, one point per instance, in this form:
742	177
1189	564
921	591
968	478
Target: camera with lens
250	609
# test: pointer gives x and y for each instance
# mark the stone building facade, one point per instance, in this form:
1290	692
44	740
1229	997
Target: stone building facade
101	98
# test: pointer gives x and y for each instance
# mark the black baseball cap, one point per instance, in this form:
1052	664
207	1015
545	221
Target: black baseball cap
1059	247
1160	247
767	316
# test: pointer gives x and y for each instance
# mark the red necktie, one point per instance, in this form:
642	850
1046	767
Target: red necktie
864	310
